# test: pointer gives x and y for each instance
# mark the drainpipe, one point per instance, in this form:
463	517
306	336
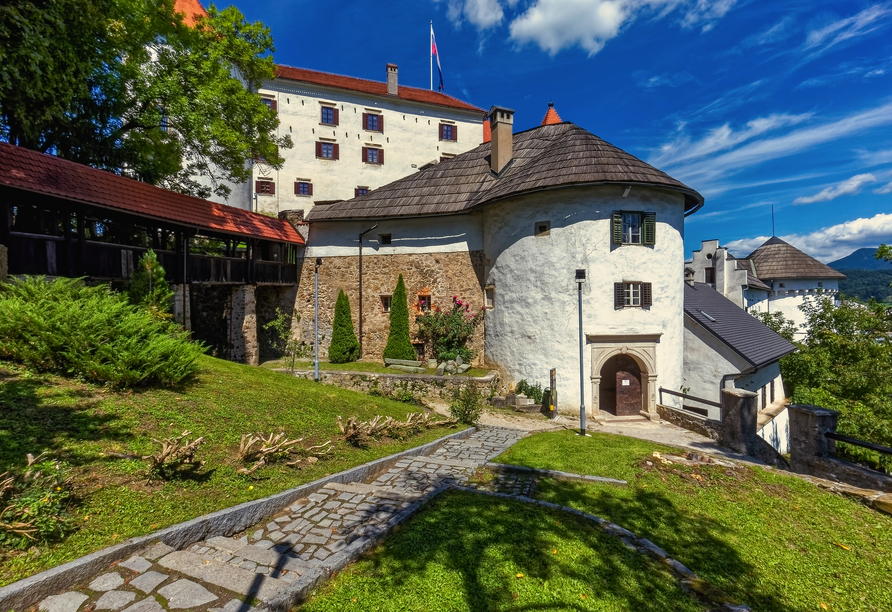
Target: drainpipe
361	234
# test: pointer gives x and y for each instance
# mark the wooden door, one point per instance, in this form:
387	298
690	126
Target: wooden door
628	386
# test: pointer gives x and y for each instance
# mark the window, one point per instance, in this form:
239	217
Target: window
634	227
632	295
371	155
385	303
424	303
270	103
543	228
303	188
710	275
373	122
385	238
265	188
329	115
448	132
489	297
327	150
360	191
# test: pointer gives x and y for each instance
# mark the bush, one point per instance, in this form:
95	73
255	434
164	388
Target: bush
148	287
532	391
466	404
449	331
66	327
344	346
33	503
399	343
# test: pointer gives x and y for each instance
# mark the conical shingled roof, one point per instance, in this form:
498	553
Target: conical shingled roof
545	157
779	260
551	116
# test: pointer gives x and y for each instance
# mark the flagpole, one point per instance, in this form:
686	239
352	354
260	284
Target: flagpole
431	49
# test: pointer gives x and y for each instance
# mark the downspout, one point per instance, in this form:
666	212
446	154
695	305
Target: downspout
361	234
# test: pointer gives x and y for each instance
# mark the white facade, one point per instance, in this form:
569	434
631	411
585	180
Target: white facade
788	295
534	323
409	140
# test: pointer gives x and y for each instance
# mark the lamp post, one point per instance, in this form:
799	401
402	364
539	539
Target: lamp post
580	279
316	321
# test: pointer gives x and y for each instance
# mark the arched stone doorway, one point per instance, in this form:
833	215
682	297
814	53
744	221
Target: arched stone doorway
621	387
616	359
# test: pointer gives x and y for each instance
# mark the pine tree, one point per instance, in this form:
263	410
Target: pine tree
399	344
148	287
344	346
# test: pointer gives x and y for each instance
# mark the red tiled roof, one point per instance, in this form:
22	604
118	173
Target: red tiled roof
192	10
377	88
47	174
551	117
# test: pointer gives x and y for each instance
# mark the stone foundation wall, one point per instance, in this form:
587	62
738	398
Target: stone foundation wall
691	422
208	311
269	299
420	385
442	275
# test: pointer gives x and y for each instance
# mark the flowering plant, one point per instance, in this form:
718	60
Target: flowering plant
448	331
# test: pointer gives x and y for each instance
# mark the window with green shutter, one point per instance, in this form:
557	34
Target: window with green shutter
634	227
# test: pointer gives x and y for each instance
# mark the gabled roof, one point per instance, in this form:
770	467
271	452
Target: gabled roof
551	116
376	88
751	280
778	260
545	157
50	175
743	333
191	9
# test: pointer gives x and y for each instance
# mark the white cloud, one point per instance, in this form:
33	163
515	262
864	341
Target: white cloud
870	19
847	187
884	189
829	243
847	71
721	138
706	12
875	158
482	14
650	81
707	166
779	31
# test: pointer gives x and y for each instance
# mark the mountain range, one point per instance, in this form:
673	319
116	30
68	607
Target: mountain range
862	259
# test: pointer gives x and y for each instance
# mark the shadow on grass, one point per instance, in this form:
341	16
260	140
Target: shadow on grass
699	542
33	420
464	551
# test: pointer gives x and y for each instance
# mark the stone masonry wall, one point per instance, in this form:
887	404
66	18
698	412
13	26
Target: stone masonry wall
441	274
419	385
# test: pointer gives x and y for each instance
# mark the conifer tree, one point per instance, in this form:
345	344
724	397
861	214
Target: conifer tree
399	344
344	346
148	287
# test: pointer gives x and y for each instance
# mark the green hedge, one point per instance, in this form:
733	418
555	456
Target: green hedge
344	346
399	344
69	328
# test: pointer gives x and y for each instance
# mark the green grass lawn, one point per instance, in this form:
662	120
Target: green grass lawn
468	551
767	539
355	366
89	426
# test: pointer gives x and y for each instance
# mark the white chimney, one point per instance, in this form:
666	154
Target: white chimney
393	88
501	123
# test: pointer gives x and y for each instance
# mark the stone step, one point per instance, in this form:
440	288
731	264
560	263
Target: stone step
449	462
224	575
403	362
395	493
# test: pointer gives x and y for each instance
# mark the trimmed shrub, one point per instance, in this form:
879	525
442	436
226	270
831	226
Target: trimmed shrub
466	404
66	327
148	287
399	343
344	346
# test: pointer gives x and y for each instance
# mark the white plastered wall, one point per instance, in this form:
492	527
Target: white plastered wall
788	295
534	327
707	360
410	140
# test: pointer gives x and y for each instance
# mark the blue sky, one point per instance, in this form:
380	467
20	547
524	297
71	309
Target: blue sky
753	104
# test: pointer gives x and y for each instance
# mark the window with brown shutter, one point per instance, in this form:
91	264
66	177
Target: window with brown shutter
619	300
441	131
303	188
646	295
381	123
365	121
336	151
381	156
265	188
318	149
337	117
365	155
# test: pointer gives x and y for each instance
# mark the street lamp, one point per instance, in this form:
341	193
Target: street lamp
316	321
580	279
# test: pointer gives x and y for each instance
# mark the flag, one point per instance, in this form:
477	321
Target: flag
434	52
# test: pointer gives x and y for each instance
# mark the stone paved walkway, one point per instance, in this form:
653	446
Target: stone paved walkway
303	545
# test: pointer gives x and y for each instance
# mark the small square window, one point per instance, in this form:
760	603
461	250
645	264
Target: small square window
373	156
543	228
633	294
265	187
270	103
360	191
373	122
328	115
424	303
303	188
327	150
385	303
448	132
385	238
632	228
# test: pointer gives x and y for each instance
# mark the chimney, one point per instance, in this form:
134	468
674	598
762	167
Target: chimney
501	123
393	88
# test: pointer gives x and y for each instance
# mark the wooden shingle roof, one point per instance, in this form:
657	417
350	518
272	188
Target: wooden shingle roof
743	333
545	157
751	280
779	260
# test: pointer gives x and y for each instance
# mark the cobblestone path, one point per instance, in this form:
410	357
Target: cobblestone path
301	546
